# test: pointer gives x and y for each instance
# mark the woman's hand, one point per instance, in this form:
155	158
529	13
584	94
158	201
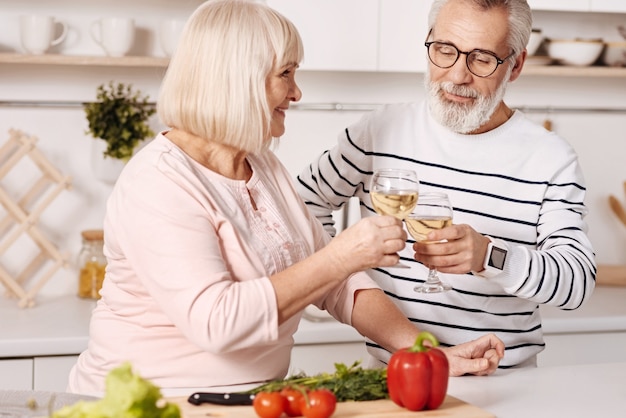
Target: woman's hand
479	357
371	242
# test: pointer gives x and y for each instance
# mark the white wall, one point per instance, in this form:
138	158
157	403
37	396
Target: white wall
599	138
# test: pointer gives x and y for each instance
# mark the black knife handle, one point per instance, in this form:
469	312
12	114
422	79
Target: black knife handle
221	398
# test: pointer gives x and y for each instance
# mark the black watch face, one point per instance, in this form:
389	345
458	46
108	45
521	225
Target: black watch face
497	257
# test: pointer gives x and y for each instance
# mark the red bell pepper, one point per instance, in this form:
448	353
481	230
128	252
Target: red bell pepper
417	376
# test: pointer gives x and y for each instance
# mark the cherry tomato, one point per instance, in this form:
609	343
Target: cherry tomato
322	403
293	397
269	404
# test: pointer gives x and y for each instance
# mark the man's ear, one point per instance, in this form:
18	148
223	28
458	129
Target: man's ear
519	64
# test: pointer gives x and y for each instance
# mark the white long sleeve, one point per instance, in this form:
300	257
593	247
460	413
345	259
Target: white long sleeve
518	183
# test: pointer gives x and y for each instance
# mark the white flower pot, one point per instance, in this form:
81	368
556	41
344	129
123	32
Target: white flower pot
105	169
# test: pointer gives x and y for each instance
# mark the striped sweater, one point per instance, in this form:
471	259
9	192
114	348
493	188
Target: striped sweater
518	184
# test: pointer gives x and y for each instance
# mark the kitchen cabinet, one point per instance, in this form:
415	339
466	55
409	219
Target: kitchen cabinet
385	35
564	5
608	6
51	373
403	30
347	35
16	374
611	6
337	34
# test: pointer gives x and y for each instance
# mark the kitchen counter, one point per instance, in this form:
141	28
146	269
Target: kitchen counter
596	390
54	326
590	390
604	312
60	325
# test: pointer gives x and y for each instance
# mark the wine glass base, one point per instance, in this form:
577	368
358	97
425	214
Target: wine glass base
432	288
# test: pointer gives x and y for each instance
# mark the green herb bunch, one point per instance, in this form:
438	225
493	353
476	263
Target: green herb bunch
119	117
348	383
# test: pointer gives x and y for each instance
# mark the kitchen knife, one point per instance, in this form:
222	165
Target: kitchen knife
221	398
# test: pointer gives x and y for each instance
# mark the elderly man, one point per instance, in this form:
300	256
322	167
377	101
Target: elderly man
519	239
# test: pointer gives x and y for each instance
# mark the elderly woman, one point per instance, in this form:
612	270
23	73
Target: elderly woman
212	256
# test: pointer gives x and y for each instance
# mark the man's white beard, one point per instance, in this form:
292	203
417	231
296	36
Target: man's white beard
460	117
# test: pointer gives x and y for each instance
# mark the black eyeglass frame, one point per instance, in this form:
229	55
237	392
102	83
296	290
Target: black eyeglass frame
467	54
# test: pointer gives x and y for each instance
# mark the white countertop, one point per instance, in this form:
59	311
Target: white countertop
54	326
60	325
589	391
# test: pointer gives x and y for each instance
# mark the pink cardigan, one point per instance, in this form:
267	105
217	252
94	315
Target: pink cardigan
187	298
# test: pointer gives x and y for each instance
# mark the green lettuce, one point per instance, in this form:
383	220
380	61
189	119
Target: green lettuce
127	395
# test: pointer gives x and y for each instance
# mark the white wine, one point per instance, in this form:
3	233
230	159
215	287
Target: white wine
419	227
398	204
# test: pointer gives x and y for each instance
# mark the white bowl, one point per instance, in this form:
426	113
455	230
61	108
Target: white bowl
615	54
578	52
536	37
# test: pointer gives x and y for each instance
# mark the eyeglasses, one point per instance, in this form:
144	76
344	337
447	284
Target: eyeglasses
479	62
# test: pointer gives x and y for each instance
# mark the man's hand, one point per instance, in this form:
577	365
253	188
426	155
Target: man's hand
457	249
478	357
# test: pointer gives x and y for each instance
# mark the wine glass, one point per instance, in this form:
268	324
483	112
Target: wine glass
394	192
433	211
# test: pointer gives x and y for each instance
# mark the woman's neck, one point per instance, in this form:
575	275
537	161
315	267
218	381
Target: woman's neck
222	159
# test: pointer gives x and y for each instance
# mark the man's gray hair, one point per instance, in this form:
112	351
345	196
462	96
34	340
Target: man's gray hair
520	18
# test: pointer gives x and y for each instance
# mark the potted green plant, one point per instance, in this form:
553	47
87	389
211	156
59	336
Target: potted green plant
120	117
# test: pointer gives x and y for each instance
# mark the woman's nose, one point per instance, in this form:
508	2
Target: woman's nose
296	93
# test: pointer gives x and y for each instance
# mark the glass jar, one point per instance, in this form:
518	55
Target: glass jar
92	263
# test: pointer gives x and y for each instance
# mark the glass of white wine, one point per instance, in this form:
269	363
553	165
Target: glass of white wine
433	211
394	192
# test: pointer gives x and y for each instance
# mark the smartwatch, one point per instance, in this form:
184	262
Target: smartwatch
494	260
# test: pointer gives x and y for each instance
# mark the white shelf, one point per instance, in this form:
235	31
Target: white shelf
104	61
570	71
162	62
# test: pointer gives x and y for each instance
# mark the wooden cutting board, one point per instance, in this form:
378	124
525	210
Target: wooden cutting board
451	407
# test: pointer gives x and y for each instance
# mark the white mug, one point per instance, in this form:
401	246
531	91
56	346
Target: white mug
114	34
169	34
37	33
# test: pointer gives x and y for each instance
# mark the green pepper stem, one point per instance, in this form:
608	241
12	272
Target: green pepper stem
419	346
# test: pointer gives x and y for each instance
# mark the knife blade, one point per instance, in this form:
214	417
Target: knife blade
221	398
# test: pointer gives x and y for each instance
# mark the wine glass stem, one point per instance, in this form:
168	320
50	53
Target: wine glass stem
432	276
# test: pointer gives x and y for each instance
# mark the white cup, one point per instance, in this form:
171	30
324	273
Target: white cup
38	33
169	34
114	34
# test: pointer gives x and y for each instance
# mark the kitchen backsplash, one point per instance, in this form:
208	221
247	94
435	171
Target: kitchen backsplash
29	95
599	137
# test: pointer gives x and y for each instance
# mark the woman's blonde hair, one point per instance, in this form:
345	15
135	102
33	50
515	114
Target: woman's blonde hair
215	85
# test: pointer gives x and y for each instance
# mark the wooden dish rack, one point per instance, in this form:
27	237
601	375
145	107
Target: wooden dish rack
22	217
